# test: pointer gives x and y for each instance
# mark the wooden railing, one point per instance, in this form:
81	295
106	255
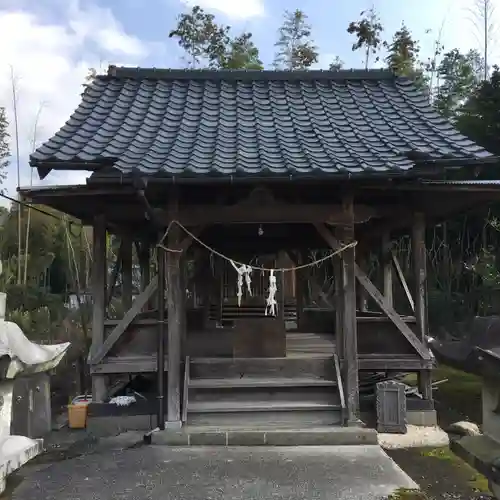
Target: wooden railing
185	393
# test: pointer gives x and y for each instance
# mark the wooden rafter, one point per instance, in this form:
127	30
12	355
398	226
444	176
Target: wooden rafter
378	298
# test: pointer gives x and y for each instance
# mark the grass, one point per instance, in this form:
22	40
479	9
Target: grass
462	391
476	481
408	494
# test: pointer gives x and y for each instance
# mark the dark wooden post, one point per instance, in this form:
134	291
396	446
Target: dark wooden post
127	272
349	318
362	295
420	279
143	256
174	301
339	303
387	268
300	280
160	352
99	278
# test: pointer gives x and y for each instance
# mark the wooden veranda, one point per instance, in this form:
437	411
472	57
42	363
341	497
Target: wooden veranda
336	183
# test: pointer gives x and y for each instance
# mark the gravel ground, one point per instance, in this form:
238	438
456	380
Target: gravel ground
416	437
220	473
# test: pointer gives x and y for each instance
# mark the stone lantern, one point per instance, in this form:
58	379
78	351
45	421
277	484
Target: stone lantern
19	357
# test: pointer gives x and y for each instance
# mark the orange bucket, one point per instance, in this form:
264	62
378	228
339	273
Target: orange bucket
77	416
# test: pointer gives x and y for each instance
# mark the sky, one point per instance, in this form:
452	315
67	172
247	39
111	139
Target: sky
49	45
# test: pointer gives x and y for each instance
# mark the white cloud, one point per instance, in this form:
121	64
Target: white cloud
50	62
231	8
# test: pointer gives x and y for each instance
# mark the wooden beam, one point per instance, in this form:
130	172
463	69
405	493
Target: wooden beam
174	298
125	322
114	276
420	273
339	306
362	297
255	214
387	267
402	280
349	325
378	298
99	274
127	277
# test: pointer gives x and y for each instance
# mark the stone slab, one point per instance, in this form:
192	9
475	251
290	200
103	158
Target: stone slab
424	418
220	473
331	436
480	452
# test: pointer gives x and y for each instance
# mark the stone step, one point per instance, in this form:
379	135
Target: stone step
237	406
290	368
257	382
262	417
267	435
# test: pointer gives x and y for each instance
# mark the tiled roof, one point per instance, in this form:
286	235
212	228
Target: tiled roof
200	122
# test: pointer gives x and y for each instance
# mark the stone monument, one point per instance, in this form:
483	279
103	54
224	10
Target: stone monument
19	357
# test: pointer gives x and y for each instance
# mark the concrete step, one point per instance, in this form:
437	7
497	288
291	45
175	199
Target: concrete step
257	382
194	435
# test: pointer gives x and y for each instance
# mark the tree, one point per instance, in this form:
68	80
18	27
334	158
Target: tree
483	13
201	37
242	54
479	117
336	65
368	31
403	51
4	145
296	49
459	75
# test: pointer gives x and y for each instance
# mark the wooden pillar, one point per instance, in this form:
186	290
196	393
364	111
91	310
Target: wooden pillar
143	256
362	295
420	280
387	268
339	303
299	292
127	272
174	311
349	318
99	278
183	304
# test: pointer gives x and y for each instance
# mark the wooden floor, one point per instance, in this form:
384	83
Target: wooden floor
309	345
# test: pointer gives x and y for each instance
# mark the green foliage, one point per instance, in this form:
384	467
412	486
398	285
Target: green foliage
295	47
242	53
4	145
30	298
368	32
336	65
201	37
479	117
207	42
402	53
459	76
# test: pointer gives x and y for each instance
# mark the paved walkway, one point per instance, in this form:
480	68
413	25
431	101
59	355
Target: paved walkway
159	472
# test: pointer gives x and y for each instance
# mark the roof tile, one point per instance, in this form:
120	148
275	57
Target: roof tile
233	122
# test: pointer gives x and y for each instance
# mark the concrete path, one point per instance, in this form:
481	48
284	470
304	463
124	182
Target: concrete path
219	473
